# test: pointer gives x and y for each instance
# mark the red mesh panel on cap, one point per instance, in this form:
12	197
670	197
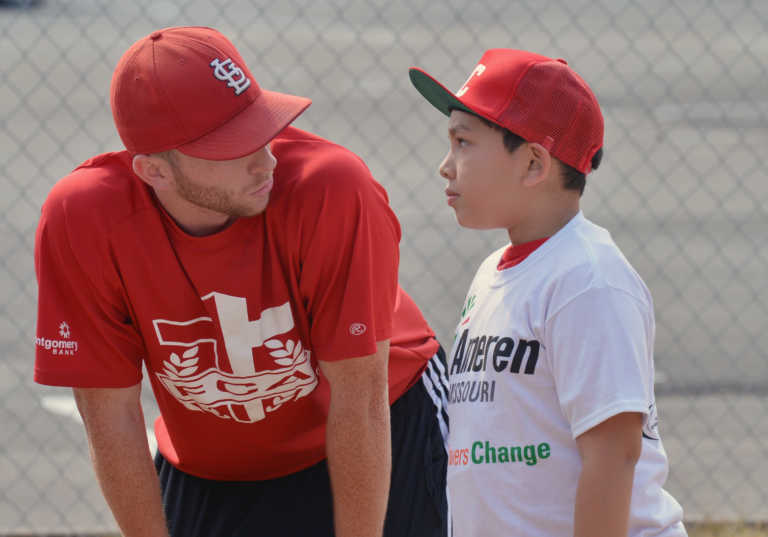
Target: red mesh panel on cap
553	102
549	91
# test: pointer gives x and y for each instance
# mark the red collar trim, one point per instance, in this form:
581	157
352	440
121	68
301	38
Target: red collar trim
516	253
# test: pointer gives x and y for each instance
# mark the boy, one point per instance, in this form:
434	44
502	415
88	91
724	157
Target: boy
553	418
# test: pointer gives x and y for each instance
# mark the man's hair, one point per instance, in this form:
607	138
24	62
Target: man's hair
573	179
169	156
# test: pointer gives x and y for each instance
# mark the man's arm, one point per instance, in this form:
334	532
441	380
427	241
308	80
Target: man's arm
114	423
358	442
609	452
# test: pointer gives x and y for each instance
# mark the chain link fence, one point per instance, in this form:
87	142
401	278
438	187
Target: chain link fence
683	188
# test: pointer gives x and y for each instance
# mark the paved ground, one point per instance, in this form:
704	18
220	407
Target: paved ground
682	188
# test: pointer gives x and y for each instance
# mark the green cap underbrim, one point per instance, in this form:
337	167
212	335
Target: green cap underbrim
441	97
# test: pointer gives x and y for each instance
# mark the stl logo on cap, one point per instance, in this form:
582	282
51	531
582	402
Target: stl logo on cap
234	75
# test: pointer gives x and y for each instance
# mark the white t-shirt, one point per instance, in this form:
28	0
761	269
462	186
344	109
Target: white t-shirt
544	351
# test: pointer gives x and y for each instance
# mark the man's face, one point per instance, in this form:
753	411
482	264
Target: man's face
236	188
484	178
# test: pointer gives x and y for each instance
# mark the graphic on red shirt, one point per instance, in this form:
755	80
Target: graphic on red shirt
234	387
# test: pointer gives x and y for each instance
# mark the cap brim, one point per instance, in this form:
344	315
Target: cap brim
251	129
441	97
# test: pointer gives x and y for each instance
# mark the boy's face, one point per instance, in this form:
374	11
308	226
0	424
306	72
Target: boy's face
484	179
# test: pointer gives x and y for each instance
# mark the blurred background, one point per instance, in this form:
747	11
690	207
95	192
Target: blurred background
682	187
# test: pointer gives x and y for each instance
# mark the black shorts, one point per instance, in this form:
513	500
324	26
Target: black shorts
300	504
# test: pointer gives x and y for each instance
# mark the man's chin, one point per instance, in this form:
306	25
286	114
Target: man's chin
253	210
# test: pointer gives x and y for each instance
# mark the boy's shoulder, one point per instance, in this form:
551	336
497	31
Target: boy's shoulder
580	257
587	257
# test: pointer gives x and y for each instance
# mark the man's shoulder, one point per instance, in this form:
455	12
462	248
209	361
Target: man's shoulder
102	188
292	139
306	154
311	167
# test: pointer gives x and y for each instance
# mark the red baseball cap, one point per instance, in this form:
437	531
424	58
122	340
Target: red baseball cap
540	99
187	88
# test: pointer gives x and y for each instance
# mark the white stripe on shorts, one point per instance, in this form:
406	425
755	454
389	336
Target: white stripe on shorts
435	381
437	389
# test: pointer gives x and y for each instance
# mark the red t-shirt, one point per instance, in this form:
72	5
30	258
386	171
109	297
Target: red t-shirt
230	325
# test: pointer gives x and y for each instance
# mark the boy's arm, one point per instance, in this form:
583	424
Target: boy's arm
114	423
609	452
359	442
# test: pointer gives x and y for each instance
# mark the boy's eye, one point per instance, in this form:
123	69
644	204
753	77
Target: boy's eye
461	141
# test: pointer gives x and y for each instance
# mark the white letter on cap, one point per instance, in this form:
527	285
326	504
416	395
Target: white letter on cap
477	71
234	75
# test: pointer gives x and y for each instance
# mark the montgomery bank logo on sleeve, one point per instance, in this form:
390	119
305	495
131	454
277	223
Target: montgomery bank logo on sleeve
63	345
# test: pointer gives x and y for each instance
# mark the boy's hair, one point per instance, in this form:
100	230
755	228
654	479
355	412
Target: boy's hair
573	179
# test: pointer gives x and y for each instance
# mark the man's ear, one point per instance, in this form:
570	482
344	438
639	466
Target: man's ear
539	164
153	170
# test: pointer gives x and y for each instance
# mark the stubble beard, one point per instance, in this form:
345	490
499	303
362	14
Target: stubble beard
214	198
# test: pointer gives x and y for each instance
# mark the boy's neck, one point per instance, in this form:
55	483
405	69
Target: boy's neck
543	223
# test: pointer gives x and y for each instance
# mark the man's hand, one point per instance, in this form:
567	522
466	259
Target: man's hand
359	446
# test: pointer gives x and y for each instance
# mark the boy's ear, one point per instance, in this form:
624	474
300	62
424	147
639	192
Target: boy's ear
539	164
153	170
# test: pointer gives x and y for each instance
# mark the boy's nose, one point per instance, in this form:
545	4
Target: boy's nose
446	167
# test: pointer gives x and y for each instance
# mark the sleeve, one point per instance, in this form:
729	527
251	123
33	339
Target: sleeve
349	257
602	356
85	337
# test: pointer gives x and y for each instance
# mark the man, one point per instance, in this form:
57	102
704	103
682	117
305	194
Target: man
553	416
251	268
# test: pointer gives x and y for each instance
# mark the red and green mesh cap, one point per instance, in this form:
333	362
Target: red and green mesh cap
538	98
